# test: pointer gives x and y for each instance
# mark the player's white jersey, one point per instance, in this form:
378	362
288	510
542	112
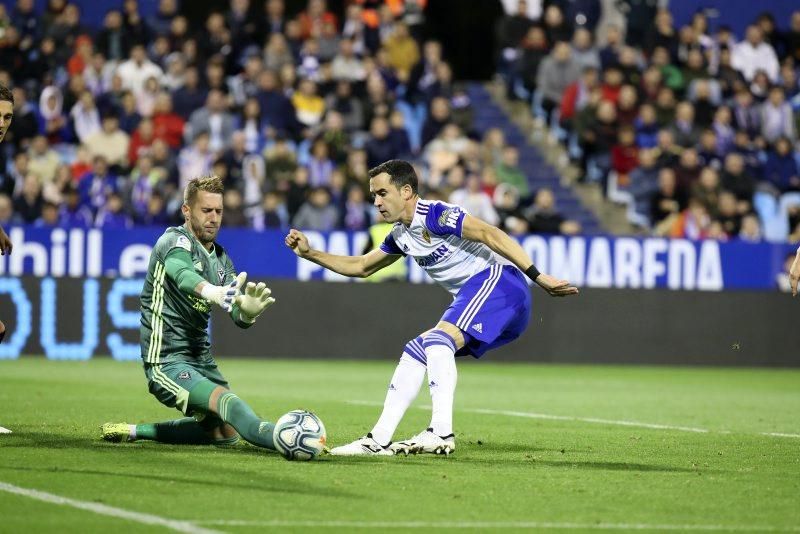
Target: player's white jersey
434	241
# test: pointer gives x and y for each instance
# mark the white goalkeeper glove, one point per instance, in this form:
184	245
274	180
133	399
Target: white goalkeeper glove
223	296
254	298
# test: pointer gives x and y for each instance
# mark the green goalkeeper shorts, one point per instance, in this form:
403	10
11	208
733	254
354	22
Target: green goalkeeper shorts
172	382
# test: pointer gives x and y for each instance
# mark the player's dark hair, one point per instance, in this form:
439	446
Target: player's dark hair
210	184
6	94
400	173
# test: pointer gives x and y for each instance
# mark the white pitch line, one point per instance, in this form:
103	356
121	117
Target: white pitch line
594	420
102	509
494	525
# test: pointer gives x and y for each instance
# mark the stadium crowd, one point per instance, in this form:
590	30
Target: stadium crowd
694	130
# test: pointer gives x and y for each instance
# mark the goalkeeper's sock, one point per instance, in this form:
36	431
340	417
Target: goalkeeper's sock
240	416
178	431
440	351
403	389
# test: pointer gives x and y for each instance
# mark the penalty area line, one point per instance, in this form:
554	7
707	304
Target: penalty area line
277	523
593	420
104	509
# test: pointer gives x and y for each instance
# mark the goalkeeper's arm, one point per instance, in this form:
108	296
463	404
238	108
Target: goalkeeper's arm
251	302
178	266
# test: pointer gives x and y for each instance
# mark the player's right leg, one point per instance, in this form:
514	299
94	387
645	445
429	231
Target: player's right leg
403	389
172	384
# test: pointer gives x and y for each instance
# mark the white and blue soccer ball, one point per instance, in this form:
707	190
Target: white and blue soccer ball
299	435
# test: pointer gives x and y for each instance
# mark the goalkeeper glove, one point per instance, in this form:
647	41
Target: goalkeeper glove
254	299
223	296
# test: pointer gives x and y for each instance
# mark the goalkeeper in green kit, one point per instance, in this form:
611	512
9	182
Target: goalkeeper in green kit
188	273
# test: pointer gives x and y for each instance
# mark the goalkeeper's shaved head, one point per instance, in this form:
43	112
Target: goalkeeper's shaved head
210	184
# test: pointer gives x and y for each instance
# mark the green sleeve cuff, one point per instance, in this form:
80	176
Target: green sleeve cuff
179	268
236	315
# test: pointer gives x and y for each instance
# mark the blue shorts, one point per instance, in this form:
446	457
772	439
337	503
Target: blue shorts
492	308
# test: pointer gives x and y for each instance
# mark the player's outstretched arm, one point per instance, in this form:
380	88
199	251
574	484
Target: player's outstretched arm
178	266
252	301
794	273
353	266
475	229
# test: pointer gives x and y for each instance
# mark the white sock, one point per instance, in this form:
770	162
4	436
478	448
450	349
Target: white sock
131	432
442	377
403	389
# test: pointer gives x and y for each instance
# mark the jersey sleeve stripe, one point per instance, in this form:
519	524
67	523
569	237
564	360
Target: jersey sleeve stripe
156	320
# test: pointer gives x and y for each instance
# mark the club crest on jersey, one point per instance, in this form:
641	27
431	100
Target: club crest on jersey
221	274
426	236
449	217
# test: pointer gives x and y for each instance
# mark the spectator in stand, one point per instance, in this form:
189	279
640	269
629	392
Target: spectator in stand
403	51
167	124
707	151
688	170
643	185
584	53
707	190
544	218
646	127
214	120
477	203
49	217
736	179
556	72
317	213
576	96
135	71
112	216
355	213
438	116
28	203
73	213
754	54
190	96
777	119
751	229
686	133
533	49
509	172
320	166
346	65
110	142
42	160
309	106
723	131
728	213
668	201
85	117
96	186
781	170
141	141
195	159
625	155
380	147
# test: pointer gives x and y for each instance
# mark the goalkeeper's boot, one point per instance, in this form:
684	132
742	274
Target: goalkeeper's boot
426	442
365	446
116	432
4	430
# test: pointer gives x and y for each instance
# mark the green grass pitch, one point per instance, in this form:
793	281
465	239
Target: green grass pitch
541	447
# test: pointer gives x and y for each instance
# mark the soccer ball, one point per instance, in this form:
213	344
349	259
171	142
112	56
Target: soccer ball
299	435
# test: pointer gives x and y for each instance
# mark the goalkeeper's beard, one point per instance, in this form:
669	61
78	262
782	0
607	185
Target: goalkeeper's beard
203	234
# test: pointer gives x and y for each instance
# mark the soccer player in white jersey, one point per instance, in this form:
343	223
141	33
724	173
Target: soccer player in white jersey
480	265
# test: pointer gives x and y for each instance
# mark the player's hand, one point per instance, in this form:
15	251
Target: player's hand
298	242
556	287
5	243
222	296
254	298
794	274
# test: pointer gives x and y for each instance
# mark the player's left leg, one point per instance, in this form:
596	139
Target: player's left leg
491	310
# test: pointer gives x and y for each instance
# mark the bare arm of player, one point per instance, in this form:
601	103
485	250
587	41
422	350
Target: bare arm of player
353	266
475	229
794	273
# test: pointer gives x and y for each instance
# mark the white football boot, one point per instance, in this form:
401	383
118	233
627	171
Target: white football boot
425	442
365	446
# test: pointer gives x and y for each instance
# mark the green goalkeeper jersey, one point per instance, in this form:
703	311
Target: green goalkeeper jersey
174	323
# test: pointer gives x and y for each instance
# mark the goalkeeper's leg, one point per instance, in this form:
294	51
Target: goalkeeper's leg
213	399
186	431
